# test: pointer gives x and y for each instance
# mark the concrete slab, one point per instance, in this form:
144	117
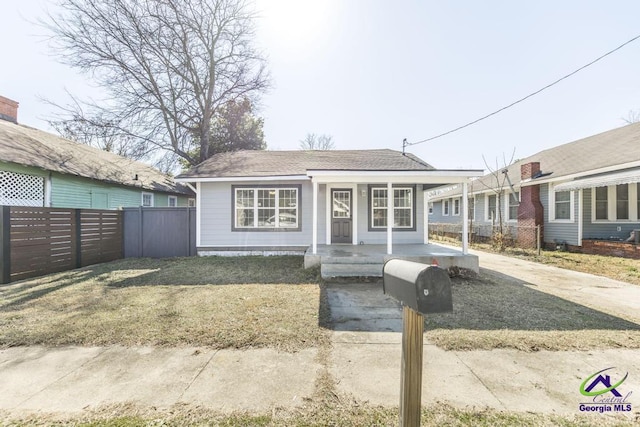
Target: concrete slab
144	375
363	307
27	371
545	381
254	380
371	373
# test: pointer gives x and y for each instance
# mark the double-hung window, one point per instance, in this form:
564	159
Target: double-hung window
514	201
622	201
563	205
403	208
266	208
147	200
491	208
445	207
601	203
456	207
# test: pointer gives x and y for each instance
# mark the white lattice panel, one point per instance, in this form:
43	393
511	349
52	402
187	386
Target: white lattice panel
17	189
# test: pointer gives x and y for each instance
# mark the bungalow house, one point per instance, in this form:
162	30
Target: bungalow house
41	169
584	195
291	201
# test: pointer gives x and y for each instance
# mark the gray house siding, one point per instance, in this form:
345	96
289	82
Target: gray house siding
559	232
603	230
216	212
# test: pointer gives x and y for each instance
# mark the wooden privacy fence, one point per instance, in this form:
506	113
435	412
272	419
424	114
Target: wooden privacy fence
159	232
39	241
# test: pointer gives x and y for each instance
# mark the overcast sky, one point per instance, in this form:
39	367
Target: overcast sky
372	72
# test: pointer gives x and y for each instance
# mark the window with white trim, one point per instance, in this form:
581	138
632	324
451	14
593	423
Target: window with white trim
266	208
514	202
622	201
445	207
615	203
491	207
456	207
601	201
172	201
147	200
562	205
402	208
191	203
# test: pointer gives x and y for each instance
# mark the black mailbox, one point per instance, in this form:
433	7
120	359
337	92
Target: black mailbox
423	288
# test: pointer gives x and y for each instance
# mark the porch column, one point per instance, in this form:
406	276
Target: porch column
314	226
580	218
426	217
390	219
465	218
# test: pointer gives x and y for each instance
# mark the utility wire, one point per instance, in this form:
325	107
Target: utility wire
407	144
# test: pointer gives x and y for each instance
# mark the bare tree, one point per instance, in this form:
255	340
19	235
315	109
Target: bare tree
166	65
317	142
633	116
498	182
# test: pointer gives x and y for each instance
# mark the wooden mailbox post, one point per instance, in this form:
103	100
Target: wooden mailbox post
421	289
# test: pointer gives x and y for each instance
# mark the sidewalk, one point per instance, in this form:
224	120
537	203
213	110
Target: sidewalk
365	365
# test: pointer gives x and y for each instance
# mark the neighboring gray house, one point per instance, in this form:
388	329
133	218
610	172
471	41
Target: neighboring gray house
584	191
287	201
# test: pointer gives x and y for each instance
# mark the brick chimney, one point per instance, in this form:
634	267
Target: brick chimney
530	210
8	110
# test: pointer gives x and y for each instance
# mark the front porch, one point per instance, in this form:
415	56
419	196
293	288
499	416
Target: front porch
368	260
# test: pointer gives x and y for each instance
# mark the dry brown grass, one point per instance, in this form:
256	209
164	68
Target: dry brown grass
489	313
623	269
215	302
314	414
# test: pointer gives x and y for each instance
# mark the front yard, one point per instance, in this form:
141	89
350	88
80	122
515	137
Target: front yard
214	302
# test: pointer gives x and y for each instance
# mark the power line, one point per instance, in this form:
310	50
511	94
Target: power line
406	144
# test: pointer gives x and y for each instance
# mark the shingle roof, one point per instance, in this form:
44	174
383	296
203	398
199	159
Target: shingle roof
608	149
32	147
286	163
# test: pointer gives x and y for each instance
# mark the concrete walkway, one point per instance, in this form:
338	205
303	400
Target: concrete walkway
364	362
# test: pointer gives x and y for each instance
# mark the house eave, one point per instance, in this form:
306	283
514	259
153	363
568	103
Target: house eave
397	176
243	178
581	174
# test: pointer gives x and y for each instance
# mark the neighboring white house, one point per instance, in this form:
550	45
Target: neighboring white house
288	201
579	192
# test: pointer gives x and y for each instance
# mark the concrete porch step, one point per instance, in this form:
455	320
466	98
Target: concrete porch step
329	270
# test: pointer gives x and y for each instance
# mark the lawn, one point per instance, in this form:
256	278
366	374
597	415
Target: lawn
215	302
489	313
617	268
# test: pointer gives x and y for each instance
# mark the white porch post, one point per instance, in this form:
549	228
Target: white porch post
426	217
390	218
314	226
580	218
465	218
